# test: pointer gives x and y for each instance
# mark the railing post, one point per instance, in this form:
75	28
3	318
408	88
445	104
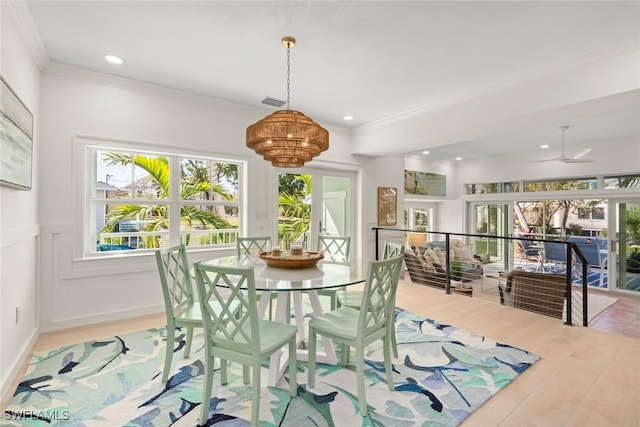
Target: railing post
567	296
585	301
376	230
448	262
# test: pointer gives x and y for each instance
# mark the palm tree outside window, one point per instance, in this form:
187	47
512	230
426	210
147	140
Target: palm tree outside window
159	200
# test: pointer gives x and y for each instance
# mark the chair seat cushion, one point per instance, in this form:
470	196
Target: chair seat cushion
274	334
342	322
350	298
190	314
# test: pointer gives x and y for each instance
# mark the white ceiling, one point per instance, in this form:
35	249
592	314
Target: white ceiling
369	59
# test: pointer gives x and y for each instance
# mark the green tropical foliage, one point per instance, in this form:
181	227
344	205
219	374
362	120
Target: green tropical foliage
294	209
194	185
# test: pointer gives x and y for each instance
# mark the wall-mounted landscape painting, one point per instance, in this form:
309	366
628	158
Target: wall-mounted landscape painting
16	140
424	183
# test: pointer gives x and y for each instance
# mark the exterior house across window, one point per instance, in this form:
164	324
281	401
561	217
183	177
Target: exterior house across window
143	200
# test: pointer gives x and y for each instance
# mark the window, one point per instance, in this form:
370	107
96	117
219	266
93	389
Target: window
495	187
622	181
561	185
144	200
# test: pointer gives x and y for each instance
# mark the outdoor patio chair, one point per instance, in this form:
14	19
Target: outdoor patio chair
591	252
555	255
530	251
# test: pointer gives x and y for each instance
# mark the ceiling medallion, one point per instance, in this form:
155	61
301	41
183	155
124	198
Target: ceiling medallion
287	138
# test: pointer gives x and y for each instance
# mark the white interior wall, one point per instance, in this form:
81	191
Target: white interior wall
447	211
76	103
18	215
380	172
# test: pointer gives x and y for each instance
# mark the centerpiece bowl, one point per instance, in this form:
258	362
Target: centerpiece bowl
306	260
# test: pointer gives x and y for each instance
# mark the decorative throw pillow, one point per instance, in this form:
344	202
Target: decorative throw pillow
431	257
464	252
442	258
429	267
455	243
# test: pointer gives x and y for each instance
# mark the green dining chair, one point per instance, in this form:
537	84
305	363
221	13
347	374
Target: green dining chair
254	246
351	327
245	339
335	249
354	298
180	307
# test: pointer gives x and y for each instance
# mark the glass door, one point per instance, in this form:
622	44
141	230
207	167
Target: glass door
626	242
312	202
492	220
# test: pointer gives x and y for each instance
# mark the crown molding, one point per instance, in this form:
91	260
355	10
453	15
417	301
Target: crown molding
21	15
90	76
619	47
96	77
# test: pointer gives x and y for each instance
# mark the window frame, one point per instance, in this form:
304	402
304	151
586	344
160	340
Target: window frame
85	172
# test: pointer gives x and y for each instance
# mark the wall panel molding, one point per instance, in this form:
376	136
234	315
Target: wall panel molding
11	237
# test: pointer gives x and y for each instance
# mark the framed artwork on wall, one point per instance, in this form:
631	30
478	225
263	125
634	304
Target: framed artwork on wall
387	205
16	140
424	183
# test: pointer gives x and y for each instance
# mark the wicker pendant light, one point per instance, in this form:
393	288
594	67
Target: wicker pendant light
287	138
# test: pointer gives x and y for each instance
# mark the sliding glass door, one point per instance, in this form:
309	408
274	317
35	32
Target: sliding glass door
625	250
493	220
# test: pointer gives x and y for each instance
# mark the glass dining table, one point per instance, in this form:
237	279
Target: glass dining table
291	285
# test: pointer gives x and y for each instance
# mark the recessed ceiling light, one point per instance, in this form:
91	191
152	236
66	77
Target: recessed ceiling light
348	118
458	158
113	59
425	152
543	146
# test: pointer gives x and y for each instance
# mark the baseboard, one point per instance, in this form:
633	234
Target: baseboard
100	318
6	387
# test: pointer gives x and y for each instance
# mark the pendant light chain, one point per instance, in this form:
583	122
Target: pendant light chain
288	72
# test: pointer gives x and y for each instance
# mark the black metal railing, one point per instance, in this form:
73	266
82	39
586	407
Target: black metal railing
500	257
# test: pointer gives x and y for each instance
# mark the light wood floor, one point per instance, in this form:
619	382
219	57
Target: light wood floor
585	377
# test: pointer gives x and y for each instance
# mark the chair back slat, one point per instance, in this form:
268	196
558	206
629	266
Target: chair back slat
222	286
252	246
378	297
335	248
175	278
392	249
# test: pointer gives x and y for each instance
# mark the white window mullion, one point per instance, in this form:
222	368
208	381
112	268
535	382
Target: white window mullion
174	201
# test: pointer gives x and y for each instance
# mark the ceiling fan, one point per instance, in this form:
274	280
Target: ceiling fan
577	158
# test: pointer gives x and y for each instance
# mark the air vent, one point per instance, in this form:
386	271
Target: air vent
273	102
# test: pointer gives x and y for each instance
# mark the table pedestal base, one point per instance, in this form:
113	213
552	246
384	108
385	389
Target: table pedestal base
279	360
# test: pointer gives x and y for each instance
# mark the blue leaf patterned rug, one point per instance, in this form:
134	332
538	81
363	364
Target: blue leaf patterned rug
442	375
